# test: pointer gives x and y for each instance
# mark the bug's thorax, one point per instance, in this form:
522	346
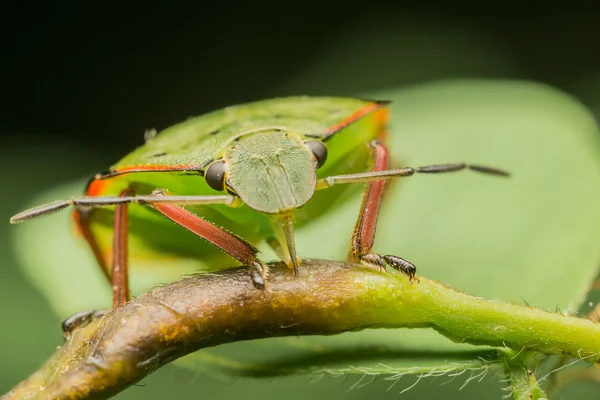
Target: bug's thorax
271	171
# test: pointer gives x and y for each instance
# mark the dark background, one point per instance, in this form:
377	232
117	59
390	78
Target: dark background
104	74
92	77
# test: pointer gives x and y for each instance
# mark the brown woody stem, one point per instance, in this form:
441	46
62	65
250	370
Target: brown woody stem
114	352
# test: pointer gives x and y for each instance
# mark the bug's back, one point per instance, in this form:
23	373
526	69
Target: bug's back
182	152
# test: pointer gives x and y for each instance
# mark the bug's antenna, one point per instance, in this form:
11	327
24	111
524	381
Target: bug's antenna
51	208
45	209
457	167
329	181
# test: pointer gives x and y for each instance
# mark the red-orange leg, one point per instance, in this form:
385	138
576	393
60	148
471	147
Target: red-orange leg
119	271
363	237
231	244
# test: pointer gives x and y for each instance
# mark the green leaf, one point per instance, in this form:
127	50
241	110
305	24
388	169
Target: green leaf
375	352
532	237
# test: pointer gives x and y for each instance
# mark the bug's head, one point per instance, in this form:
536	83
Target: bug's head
273	172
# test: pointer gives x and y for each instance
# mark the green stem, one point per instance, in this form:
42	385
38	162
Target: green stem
467	319
519	368
169	322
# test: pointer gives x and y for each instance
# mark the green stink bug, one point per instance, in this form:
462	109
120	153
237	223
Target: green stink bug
270	160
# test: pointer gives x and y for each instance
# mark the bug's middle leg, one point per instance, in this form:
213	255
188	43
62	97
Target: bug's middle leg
119	270
117	273
363	236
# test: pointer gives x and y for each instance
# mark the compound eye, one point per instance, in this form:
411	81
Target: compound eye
319	150
215	175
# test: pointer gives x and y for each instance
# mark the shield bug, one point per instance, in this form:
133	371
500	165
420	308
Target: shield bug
240	175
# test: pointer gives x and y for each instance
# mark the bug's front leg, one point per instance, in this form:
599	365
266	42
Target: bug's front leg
231	244
363	237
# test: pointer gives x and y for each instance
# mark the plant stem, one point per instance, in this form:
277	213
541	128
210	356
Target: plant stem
206	310
523	383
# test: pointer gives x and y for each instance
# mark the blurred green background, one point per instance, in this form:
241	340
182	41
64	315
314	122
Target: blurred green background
81	84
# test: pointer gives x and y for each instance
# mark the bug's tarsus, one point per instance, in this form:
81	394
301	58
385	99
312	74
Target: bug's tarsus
373	260
258	274
80	319
379	263
402	265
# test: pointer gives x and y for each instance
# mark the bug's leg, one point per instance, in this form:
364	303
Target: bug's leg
117	274
275	245
363	236
283	227
119	271
231	244
170	207
364	232
79	320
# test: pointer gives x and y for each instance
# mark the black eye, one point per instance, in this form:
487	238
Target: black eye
319	150
215	175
